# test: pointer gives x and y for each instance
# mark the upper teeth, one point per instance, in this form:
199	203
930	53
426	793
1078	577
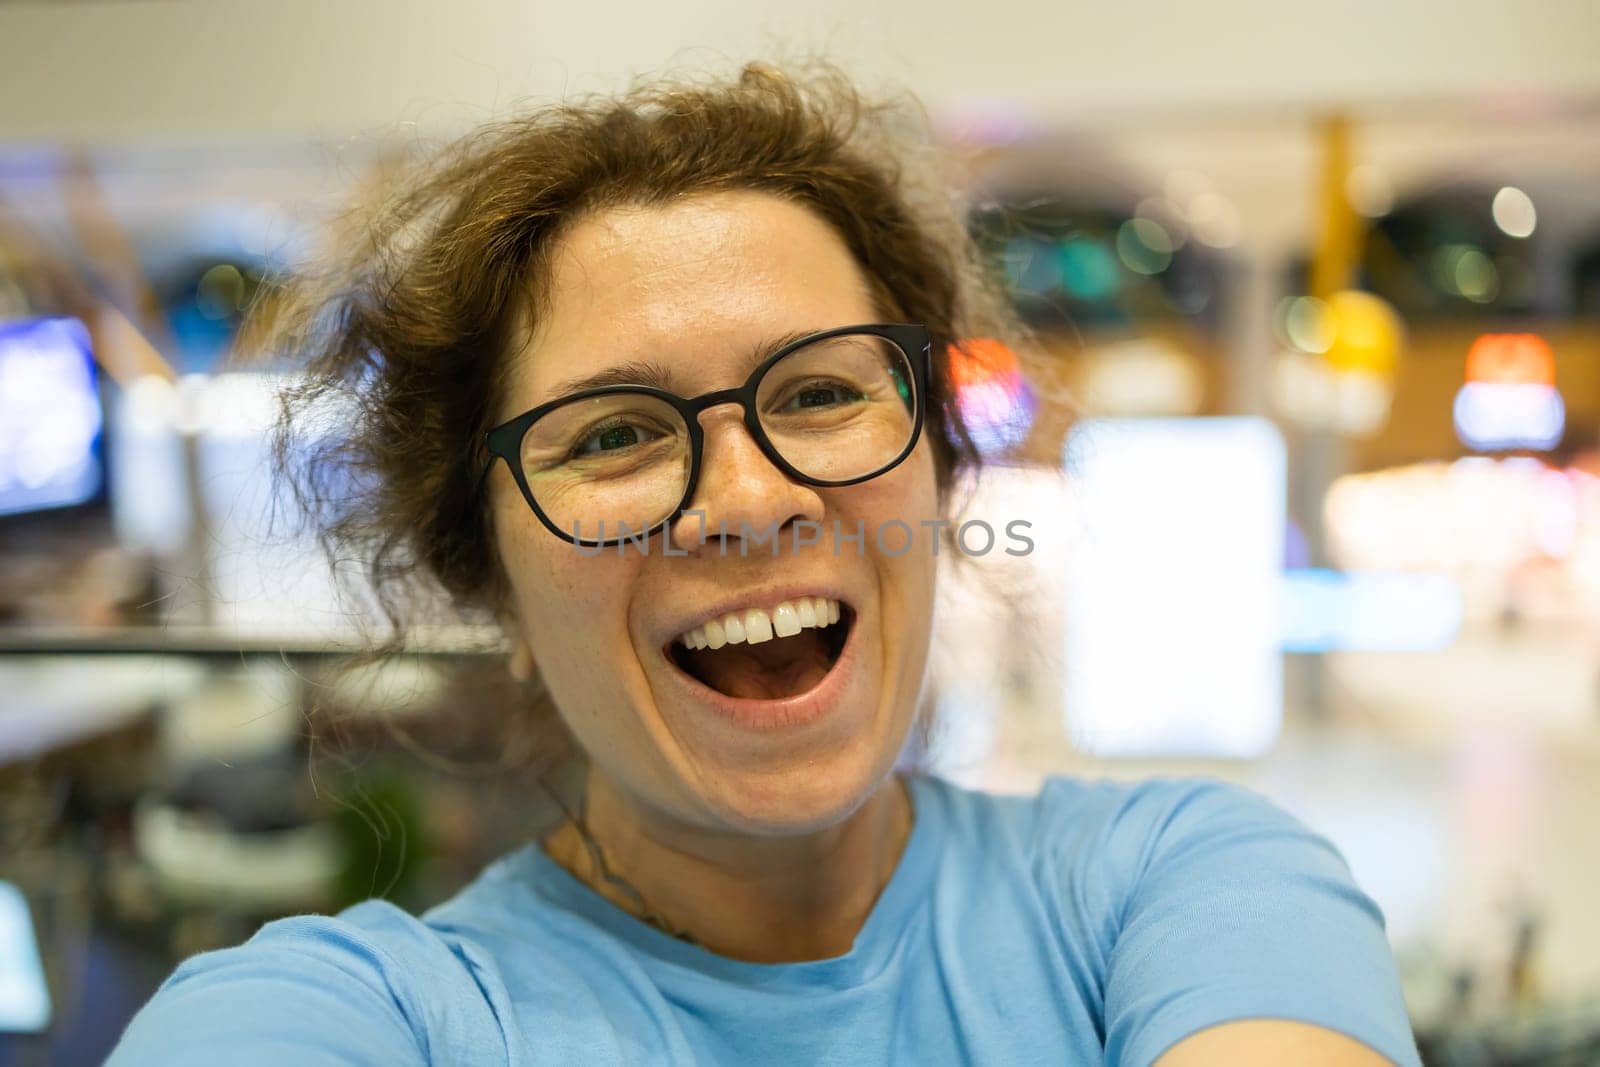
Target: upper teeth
756	625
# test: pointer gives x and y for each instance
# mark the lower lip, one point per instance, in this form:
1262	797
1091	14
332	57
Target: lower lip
786	713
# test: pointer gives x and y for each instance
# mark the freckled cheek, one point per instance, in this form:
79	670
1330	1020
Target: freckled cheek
906	572
908	494
908	580
580	606
573	607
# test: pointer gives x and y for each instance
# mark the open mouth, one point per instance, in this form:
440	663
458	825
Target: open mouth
766	655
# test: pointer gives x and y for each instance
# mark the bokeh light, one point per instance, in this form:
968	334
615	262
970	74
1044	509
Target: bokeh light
1144	246
1307	323
1369	191
1514	212
1511	359
997	406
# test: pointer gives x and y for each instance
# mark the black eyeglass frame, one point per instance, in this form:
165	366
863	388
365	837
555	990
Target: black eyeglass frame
505	440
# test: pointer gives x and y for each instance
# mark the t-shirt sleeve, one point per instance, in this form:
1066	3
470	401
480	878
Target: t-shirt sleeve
1224	907
310	990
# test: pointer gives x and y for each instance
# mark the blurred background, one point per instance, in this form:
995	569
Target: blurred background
1322	515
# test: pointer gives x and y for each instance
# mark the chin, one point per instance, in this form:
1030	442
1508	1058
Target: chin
805	795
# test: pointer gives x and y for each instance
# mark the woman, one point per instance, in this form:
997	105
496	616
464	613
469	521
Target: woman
647	378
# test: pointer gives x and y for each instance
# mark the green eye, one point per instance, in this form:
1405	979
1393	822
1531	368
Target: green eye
619	437
815	398
608	439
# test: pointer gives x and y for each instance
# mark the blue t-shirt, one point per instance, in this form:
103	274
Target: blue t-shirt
1097	922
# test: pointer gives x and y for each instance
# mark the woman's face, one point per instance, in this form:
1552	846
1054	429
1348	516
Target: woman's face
783	736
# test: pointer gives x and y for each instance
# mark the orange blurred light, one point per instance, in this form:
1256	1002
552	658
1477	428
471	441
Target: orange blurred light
1511	359
996	404
977	360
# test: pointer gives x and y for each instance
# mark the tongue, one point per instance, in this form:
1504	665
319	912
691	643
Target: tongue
771	670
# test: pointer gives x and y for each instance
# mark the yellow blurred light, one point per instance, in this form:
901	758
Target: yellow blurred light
1367	333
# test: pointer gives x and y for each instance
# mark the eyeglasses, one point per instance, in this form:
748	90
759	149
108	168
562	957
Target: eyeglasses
831	408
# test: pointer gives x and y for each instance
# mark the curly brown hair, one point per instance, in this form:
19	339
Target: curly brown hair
408	327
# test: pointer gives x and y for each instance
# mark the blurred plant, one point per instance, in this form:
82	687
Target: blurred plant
382	828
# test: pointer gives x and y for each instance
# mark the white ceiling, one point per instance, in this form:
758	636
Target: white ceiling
189	106
243	68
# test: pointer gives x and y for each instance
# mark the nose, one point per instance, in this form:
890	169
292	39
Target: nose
740	494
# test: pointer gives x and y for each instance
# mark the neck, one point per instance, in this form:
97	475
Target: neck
760	899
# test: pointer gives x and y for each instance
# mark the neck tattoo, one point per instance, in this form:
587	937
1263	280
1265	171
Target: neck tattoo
636	905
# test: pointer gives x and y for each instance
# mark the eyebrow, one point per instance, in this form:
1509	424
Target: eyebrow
633	372
656	375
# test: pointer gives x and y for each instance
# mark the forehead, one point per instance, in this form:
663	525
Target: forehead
694	286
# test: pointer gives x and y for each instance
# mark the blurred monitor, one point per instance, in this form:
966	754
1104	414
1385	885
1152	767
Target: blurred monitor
24	997
199	450
50	417
1173	586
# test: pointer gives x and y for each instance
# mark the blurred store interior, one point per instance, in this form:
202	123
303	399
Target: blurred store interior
1312	465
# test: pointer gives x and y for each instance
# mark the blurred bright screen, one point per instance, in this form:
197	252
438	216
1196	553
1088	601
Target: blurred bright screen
24	998
1172	590
49	415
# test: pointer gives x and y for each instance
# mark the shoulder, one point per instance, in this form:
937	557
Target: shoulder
370	983
1147	857
1139	826
374	941
1210	903
1127	827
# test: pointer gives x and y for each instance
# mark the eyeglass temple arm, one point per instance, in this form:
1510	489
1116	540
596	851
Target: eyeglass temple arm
483	476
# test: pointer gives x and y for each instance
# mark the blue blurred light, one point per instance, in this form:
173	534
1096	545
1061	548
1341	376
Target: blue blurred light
1328	611
1500	416
1031	266
1088	269
50	416
24	994
998	414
